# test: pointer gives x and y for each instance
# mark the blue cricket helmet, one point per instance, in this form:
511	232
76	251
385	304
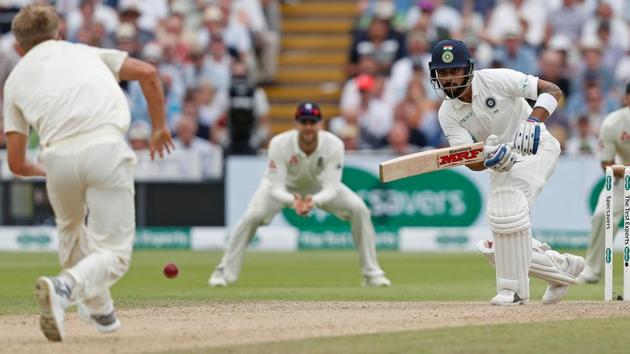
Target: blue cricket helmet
451	54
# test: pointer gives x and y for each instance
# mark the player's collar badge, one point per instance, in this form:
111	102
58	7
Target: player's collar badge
491	102
293	160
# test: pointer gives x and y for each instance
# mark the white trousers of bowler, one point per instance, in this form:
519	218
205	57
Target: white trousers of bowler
595	250
262	208
92	175
528	176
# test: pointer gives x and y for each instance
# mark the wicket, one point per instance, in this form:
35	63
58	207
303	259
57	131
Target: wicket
609	234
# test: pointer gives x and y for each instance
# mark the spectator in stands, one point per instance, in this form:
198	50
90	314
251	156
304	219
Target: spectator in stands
612	49
418	112
514	54
529	14
246	127
91	11
219	64
129	13
212	106
618	28
590	65
398	139
552	70
379	41
591	102
584	141
374	116
403	69
197	68
436	19
568	20
187	140
126	39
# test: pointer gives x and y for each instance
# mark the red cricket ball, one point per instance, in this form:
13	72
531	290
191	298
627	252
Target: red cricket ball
170	270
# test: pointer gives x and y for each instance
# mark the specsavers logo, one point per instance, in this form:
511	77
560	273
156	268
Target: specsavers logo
441	198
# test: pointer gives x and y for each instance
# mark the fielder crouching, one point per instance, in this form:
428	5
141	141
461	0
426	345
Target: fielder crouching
304	172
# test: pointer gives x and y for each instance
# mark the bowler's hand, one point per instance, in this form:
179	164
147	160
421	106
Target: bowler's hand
160	142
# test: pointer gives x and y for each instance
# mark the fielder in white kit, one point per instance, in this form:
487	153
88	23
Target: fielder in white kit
614	142
69	94
489	105
304	172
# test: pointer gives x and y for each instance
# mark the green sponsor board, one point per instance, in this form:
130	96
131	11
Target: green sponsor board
38	239
342	239
439	199
162	237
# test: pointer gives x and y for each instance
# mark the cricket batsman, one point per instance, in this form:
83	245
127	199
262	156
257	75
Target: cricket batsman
614	139
490	105
69	94
304	172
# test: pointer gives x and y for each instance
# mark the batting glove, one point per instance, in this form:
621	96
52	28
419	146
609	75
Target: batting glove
527	137
501	158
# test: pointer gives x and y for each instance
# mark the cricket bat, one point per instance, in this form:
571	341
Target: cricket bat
432	160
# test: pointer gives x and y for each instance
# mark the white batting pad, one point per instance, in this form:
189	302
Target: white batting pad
545	264
508	216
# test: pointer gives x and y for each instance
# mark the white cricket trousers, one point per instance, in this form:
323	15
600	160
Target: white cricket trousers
90	187
513	245
595	250
346	205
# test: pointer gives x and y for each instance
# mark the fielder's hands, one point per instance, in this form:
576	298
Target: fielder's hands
302	206
527	137
160	142
500	159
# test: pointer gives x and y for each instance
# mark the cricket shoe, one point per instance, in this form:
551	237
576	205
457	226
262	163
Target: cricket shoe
587	277
556	292
507	297
217	279
53	297
376	281
103	323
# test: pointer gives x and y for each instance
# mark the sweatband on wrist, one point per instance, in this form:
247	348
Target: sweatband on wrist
547	101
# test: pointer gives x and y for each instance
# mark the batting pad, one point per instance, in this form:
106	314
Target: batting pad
508	216
546	264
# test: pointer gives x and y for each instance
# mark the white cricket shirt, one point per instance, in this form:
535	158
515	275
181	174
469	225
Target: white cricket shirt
290	169
498	107
614	136
63	90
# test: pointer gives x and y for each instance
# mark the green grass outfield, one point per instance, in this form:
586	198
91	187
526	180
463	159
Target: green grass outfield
334	276
306	275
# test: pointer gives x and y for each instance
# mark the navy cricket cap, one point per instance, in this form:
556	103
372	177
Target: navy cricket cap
450	53
308	111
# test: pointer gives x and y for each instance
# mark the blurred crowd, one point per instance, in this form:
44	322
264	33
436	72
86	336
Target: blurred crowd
212	56
580	45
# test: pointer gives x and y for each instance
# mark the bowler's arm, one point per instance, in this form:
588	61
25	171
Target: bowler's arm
16	155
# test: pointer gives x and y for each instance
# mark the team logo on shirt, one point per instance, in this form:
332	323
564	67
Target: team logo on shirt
447	57
272	165
293	160
491	102
625	136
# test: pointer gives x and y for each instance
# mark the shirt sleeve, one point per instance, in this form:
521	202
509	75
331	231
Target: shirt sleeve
277	174
113	58
511	83
454	133
14	120
607	148
330	177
